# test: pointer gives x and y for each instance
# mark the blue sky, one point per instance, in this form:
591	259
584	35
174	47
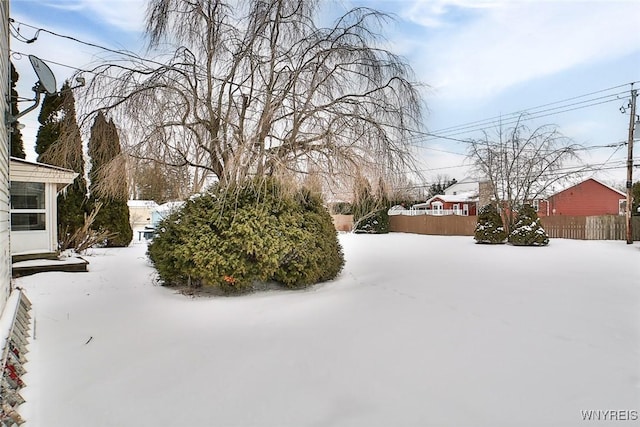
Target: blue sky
478	60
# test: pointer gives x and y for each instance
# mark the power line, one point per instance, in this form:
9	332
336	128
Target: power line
426	136
616	145
495	118
20	37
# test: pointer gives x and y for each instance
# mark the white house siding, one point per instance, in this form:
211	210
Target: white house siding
39	241
5	259
55	179
464	186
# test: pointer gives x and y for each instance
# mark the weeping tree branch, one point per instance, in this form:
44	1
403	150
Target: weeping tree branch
255	87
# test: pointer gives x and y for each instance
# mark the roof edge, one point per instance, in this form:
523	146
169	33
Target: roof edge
42	165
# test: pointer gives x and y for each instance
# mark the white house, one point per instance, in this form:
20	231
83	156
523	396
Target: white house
460	198
14	306
464	203
34	218
466	186
5	258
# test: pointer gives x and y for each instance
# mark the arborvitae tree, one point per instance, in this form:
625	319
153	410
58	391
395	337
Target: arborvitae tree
58	143
17	147
109	182
490	228
528	230
50	124
370	211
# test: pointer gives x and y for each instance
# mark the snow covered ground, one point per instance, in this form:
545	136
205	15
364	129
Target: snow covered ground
417	331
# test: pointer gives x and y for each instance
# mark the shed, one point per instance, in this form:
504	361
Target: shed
140	212
34	190
163	211
587	198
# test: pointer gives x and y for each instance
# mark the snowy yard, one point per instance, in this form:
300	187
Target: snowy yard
416	331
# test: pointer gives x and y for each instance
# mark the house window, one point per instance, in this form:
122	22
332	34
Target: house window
27	206
437	208
465	209
456	209
536	205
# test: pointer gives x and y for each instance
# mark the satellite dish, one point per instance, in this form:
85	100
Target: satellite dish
46	79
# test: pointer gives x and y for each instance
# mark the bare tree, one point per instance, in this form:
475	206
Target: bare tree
441	183
254	87
522	164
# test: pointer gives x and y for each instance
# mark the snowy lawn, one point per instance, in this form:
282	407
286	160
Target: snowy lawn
416	331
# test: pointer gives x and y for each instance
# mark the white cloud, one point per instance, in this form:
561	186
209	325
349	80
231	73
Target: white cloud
513	42
433	13
127	15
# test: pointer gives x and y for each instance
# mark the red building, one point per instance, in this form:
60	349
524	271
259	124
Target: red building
464	204
588	198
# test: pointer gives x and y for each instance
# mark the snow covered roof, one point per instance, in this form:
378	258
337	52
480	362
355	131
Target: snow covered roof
169	207
149	204
463	186
467	196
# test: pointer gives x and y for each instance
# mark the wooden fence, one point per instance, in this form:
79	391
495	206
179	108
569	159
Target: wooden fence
608	227
343	222
446	225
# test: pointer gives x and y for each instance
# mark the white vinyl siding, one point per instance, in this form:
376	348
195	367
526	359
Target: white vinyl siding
5	258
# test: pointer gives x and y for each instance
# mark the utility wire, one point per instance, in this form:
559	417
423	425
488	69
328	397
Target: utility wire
449	132
22	38
497	118
427	136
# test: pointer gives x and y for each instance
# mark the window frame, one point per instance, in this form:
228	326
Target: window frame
28	211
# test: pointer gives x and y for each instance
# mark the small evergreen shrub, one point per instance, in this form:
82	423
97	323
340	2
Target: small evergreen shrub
232	238
376	222
528	230
490	228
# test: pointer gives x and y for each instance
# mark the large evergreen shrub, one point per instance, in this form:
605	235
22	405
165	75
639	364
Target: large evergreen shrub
490	228
59	143
232	238
108	183
528	230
